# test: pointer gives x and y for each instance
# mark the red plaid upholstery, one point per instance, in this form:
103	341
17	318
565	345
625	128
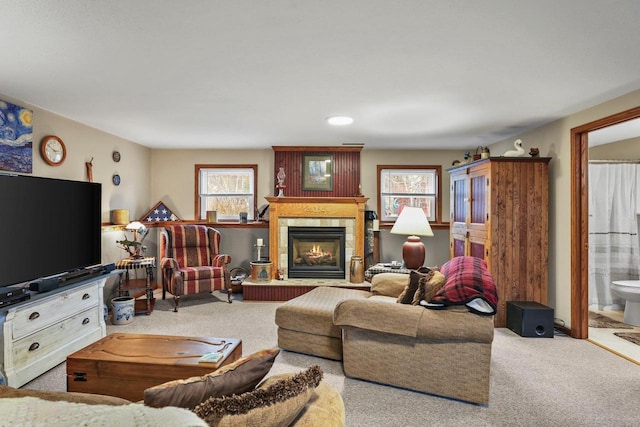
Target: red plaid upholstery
192	251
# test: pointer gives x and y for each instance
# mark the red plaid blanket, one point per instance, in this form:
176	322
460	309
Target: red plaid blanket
468	282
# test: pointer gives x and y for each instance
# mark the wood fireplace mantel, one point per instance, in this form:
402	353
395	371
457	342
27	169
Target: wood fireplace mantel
314	207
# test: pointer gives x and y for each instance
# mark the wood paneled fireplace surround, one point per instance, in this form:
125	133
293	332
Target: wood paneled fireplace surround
285	212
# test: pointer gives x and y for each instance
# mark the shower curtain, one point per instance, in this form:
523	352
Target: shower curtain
613	230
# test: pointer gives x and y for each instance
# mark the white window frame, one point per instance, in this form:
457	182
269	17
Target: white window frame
432	197
201	173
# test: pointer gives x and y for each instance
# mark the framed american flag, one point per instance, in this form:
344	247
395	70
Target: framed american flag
159	213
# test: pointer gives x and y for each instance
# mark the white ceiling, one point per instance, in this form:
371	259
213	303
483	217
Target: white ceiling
251	73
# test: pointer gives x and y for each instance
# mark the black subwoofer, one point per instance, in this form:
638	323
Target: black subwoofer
530	319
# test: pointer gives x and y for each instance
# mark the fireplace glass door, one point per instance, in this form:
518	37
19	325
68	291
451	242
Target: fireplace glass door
316	252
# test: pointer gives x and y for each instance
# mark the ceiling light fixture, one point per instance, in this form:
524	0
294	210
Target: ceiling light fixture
339	120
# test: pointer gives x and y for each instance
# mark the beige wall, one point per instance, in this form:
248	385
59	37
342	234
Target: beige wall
84	143
629	149
173	181
554	140
152	175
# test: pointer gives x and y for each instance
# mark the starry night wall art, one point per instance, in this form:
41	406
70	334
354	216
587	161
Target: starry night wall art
16	138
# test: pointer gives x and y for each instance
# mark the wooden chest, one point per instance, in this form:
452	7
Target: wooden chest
124	365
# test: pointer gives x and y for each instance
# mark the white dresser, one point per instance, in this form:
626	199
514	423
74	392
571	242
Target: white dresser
40	333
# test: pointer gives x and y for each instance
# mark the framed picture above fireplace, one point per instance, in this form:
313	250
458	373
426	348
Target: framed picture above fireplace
317	172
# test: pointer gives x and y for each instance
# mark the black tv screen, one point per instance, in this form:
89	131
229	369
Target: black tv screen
52	226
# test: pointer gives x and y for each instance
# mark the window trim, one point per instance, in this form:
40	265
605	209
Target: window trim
222	166
438	201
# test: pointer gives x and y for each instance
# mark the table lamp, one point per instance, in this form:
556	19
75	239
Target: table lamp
412	222
133	247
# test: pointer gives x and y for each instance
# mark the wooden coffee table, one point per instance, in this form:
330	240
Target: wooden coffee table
124	365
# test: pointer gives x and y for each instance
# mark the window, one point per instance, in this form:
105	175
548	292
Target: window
227	189
417	186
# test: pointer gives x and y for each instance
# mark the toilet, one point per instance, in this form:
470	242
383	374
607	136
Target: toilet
630	291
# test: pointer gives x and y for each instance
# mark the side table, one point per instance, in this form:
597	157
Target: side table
136	286
383	268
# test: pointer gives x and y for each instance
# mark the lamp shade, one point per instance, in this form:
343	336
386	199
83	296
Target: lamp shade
412	222
135	225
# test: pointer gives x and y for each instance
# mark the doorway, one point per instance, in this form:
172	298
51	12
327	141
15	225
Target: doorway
580	213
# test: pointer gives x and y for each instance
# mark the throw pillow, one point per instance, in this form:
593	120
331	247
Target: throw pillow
428	287
276	405
468	282
237	377
406	297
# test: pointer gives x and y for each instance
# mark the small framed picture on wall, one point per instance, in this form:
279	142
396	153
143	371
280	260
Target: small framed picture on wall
317	172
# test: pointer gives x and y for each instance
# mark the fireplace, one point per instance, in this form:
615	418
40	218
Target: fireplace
316	252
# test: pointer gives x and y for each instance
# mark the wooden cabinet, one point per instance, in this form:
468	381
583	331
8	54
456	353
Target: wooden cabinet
38	334
499	212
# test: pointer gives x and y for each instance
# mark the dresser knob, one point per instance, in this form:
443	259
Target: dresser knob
34	346
34	315
85	321
86	296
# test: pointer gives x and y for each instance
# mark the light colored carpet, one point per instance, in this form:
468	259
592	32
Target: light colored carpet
534	381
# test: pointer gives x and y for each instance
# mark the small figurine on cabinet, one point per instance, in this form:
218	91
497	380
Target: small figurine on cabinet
534	152
518	152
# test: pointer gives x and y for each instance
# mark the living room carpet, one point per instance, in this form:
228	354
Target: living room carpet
597	320
633	337
556	381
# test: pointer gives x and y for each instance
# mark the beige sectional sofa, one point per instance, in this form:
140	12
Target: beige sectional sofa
446	352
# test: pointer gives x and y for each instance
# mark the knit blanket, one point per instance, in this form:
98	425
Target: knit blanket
31	411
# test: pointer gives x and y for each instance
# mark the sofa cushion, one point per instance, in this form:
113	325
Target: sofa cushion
406	297
312	312
389	284
277	404
468	282
237	377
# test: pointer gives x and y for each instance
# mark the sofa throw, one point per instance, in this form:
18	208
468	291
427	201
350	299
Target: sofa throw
468	282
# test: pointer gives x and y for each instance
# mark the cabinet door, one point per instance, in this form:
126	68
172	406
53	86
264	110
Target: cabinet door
458	244
478	198
459	198
477	246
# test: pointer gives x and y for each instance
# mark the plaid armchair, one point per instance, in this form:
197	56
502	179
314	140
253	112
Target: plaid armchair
191	263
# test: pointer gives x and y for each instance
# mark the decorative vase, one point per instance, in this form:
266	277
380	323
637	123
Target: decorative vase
356	271
123	310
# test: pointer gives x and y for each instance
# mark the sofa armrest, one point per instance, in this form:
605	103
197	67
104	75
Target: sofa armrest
451	324
379	316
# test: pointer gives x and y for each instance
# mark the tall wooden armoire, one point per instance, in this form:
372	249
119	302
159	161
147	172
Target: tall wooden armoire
500	212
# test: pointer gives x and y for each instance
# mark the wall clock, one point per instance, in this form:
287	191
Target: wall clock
53	150
116	179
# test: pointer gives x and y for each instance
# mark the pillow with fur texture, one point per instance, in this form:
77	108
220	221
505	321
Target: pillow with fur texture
276	405
428	286
406	297
235	378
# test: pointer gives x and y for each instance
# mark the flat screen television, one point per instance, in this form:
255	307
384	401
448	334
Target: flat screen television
50	226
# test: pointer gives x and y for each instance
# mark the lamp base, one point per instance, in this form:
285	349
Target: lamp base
413	253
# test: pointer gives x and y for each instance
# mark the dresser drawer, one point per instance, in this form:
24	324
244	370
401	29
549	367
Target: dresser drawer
42	343
33	317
